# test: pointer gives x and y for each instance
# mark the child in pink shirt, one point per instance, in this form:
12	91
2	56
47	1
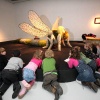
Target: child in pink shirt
29	72
85	73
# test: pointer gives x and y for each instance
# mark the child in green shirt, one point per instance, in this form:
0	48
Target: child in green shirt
50	75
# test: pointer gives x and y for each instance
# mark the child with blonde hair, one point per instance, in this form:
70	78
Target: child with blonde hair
29	72
50	75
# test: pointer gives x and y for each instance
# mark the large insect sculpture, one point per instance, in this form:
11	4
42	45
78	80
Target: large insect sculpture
40	29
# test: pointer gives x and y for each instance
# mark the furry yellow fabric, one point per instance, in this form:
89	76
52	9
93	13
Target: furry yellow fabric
61	29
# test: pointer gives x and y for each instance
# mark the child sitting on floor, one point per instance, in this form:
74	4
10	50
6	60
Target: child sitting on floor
29	72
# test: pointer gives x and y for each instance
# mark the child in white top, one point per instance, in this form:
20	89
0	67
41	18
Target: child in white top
10	74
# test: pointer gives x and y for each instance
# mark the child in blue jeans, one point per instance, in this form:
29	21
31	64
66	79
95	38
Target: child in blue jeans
29	72
85	73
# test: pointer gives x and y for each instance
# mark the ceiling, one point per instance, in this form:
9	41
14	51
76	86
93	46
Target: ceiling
16	1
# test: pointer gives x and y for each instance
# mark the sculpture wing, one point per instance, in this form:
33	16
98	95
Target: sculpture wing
37	22
32	30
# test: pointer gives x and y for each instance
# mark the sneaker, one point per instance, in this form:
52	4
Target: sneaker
16	92
22	93
93	87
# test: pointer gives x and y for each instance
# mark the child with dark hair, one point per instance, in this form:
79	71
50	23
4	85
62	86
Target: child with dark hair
10	74
50	75
85	73
90	62
3	61
29	72
90	51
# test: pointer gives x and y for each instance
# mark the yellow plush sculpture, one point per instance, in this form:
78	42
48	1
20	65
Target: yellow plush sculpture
40	29
64	35
61	30
59	34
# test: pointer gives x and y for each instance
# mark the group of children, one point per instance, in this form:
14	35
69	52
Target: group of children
11	73
87	64
10	70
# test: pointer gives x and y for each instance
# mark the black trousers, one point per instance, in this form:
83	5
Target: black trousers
9	77
1	81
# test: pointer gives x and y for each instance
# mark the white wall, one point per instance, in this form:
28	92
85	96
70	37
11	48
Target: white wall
7	21
77	16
